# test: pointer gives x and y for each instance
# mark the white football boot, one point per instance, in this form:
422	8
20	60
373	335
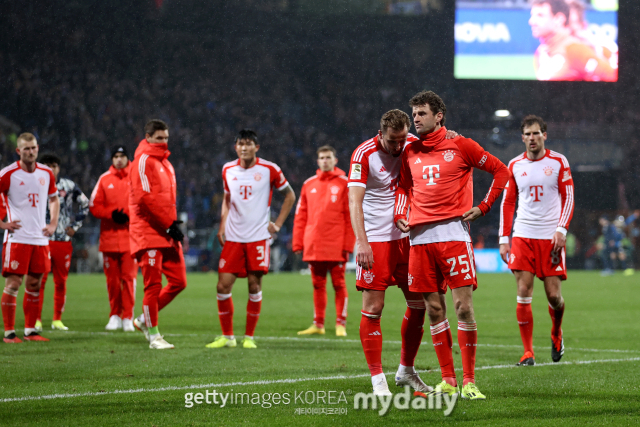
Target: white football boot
114	324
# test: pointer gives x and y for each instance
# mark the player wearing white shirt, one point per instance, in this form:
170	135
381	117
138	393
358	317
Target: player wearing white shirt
382	251
245	230
27	186
543	186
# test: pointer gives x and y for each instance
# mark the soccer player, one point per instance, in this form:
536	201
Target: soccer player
541	182
110	204
74	207
322	231
26	186
605	47
245	231
562	56
155	237
382	251
436	180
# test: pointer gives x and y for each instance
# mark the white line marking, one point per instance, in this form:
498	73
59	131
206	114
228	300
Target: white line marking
283	381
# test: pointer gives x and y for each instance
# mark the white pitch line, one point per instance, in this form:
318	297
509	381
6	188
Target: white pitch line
282	381
345	340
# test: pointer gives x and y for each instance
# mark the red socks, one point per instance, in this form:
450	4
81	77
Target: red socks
59	298
254	305
319	297
412	331
30	305
342	299
371	339
225	313
525	321
442	344
43	282
556	320
8	302
468	340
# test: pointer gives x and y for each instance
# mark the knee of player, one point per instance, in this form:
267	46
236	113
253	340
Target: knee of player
464	311
554	299
374	308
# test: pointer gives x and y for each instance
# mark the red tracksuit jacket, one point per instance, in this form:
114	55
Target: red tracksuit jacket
322	225
110	193
152	198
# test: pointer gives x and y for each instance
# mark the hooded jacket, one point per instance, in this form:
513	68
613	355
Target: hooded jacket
110	193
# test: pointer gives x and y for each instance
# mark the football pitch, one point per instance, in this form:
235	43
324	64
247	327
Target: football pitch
88	376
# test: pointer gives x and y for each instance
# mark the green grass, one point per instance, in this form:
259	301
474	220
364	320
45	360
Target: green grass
601	316
509	67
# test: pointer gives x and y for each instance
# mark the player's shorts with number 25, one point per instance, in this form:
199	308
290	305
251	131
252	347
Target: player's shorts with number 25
435	266
536	256
238	258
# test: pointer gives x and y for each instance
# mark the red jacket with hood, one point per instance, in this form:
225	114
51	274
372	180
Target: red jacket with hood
110	193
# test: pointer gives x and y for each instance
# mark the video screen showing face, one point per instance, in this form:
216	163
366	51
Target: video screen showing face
561	40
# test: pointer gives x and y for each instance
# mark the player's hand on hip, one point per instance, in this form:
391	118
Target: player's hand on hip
472	215
273	228
558	241
504	252
11	226
364	255
70	231
49	230
403	225
221	237
451	134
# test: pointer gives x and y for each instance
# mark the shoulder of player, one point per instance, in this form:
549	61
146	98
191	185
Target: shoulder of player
310	179
558	157
9	169
411	138
516	159
364	150
266	163
230	164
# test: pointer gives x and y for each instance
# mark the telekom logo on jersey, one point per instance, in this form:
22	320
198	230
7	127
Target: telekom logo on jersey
34	198
245	191
434	172
535	191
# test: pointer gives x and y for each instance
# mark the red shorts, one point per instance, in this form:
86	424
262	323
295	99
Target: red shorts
239	258
21	259
435	266
390	266
536	256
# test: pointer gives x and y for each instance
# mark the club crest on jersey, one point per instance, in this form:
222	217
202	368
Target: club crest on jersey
14	265
335	189
548	170
356	171
410	281
257	176
151	253
448	155
512	258
42	181
368	277
222	263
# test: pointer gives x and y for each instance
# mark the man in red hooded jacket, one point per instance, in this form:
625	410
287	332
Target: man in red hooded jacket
322	231
110	204
155	238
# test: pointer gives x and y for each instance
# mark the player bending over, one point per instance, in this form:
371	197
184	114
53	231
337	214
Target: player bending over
27	186
322	231
541	182
245	231
382	251
436	180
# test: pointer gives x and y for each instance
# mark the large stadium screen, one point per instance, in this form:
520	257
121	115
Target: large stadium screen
566	40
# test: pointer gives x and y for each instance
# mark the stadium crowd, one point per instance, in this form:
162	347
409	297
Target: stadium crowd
81	89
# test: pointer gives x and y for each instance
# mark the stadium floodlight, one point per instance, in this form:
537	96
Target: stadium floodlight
502	113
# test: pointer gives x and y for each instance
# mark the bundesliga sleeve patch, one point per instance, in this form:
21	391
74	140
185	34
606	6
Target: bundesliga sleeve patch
356	171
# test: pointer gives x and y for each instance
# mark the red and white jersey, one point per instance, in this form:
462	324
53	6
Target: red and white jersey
251	190
377	171
27	195
544	190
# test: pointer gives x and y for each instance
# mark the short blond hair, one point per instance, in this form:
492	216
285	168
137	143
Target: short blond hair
394	119
26	137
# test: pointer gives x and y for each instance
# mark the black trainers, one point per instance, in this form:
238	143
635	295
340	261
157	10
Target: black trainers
557	348
527	360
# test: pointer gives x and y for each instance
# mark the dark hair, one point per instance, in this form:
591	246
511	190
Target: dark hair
247	134
50	159
154	125
557	6
326	148
395	119
532	119
435	103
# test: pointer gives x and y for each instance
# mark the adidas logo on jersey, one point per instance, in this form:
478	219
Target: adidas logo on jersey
21	182
559	268
234	179
110	186
524	174
467	277
314	190
375	333
417	161
382	169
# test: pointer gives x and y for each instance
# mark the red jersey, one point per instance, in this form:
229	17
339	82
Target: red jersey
436	175
322	225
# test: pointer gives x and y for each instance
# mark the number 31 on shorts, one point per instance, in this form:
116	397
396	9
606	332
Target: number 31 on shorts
463	261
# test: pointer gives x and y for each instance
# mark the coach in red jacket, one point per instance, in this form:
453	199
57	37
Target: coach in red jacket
110	204
322	231
156	239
